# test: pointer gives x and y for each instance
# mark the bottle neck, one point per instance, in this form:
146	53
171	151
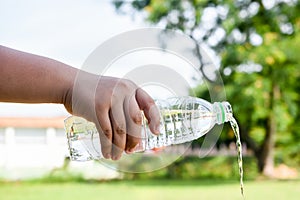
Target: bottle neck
223	112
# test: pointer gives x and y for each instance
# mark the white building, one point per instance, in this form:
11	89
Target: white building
32	147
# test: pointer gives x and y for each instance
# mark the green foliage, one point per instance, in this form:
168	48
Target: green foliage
218	167
59	176
259	43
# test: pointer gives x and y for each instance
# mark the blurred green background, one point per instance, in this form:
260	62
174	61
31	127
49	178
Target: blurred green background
151	189
258	43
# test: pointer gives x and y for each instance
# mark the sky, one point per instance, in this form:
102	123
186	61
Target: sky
67	31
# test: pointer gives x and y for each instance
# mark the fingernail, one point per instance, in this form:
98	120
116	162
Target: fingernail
130	151
107	156
115	157
157	129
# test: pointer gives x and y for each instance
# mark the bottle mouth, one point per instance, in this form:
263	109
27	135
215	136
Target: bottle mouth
227	107
223	111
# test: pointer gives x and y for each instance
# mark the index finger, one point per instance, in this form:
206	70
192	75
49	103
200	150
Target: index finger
151	111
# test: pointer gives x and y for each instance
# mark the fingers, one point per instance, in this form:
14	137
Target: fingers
151	111
119	117
118	122
105	134
134	121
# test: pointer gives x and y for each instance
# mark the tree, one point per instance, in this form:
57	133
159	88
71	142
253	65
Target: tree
257	42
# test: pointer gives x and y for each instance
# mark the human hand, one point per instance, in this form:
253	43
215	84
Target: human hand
114	105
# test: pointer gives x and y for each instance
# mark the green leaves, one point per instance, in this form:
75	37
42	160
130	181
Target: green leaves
260	57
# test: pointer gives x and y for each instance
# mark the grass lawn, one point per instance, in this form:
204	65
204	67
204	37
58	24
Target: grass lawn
151	190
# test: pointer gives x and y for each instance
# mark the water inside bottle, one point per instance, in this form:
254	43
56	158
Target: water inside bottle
178	127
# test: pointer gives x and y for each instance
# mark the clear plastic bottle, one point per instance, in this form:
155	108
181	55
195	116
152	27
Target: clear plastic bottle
182	119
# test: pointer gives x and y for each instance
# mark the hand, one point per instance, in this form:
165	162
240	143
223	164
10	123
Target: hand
114	105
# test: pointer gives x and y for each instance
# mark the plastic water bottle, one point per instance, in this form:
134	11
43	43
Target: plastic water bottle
182	119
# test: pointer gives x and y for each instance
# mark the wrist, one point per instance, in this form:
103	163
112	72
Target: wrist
67	95
67	99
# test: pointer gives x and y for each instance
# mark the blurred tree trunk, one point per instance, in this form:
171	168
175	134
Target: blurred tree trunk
265	155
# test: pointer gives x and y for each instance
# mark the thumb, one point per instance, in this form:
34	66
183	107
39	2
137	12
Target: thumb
151	111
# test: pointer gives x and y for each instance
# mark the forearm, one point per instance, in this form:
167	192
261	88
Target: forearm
28	78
